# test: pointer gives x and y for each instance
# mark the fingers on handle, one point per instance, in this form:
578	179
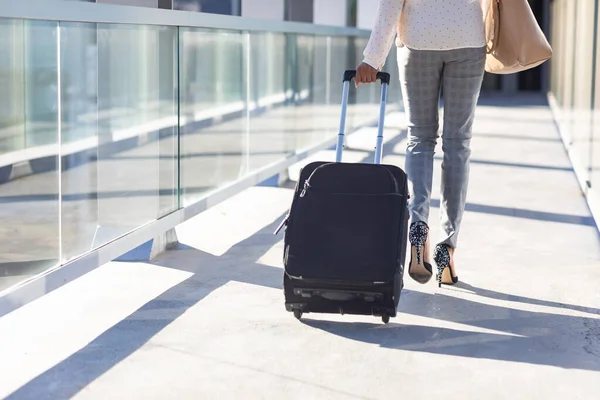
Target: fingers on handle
365	75
373	76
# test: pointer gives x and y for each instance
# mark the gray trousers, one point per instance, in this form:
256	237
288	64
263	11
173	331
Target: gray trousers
459	73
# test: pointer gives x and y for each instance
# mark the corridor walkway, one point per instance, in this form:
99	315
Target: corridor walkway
207	321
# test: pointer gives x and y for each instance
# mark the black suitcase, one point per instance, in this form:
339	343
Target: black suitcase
346	232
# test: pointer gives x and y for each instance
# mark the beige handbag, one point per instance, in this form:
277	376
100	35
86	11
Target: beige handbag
515	41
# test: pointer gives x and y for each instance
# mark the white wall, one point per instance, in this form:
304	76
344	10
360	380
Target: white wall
265	9
367	12
330	12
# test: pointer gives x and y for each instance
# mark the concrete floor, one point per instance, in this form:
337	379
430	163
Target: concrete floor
207	320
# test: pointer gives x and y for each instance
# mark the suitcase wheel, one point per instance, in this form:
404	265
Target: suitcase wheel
385	318
298	313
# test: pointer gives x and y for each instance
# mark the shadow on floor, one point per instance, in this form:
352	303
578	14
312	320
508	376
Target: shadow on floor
388	150
526	214
500	163
490	294
70	376
508	136
541	338
523	336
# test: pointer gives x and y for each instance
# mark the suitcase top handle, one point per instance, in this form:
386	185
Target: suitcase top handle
350	74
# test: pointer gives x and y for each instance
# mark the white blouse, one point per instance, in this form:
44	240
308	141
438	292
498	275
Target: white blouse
425	25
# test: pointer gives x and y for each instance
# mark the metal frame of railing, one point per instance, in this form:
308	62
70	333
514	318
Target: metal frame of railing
73	11
63	11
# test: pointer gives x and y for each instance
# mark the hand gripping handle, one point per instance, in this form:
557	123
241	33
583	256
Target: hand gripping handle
350	74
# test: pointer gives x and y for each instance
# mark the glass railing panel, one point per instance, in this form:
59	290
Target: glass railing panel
141	120
271	97
595	151
581	127
12	70
322	106
213	110
339	63
29	203
300	114
120	126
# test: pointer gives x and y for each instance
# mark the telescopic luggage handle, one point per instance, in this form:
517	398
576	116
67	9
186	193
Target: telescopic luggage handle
384	77
350	74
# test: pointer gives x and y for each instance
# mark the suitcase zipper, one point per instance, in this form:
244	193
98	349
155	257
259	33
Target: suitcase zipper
306	186
336	282
282	224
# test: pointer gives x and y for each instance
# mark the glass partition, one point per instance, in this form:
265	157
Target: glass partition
574	69
595	140
273	69
107	127
119	131
582	89
29	141
213	125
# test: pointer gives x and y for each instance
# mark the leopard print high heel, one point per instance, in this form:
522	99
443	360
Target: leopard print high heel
443	259
419	269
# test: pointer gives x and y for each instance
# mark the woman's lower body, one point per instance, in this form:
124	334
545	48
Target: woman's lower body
458	73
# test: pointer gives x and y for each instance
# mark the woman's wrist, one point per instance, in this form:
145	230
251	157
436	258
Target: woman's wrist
370	62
